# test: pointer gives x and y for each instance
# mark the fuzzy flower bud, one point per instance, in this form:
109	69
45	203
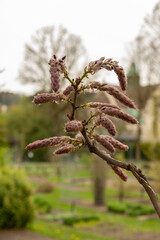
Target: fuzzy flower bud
122	98
117	144
109	65
68	90
80	137
95	66
106	123
99	104
57	67
119	172
119	114
68	148
121	76
47	142
94	84
73	126
47	97
104	142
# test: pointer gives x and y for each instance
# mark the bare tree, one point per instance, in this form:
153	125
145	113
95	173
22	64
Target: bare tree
44	43
150	38
145	54
99	181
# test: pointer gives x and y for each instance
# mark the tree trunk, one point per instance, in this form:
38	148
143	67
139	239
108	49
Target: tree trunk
99	180
139	133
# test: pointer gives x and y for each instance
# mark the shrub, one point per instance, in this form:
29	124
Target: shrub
157	151
131	209
147	151
16	208
117	207
70	221
45	187
42	205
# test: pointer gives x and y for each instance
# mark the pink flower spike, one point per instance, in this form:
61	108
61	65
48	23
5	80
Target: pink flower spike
68	148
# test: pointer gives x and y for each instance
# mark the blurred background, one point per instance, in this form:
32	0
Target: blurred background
76	197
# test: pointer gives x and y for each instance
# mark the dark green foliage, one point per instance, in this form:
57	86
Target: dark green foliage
147	151
70	221
157	151
26	123
117	207
43	206
16	207
131	209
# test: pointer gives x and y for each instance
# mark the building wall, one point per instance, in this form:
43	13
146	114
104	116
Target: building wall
151	118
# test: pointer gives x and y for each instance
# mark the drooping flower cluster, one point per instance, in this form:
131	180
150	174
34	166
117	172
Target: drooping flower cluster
122	98
118	114
119	172
57	67
109	65
68	148
100	104
110	143
106	123
73	126
68	90
47	97
48	142
103	140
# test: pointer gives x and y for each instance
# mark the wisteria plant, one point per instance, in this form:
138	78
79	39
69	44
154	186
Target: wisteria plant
86	130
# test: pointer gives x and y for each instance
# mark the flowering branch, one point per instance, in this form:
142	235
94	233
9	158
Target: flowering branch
98	118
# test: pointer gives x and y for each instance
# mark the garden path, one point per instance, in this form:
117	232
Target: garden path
21	235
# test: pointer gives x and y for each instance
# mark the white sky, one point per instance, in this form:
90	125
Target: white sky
105	27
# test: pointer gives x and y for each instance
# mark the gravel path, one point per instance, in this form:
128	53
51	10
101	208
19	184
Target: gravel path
21	235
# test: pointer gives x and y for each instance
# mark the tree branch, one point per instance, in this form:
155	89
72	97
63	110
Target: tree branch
127	166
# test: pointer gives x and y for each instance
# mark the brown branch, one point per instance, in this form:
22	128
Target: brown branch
74	107
128	166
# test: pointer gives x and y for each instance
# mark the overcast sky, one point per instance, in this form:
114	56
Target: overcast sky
105	27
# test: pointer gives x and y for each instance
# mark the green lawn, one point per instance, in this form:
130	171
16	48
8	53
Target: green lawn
59	205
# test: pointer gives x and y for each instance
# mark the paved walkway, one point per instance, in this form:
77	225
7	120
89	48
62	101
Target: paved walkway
21	235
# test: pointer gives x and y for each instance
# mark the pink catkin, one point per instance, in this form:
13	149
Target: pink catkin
119	172
106	123
117	144
73	126
95	66
57	67
121	76
80	137
47	97
47	142
94	84
122	98
68	90
68	148
109	65
119	114
104	142
99	104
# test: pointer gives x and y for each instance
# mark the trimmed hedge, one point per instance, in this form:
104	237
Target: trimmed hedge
131	209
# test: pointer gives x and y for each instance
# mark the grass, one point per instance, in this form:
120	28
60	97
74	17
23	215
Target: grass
131	223
52	229
60	201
